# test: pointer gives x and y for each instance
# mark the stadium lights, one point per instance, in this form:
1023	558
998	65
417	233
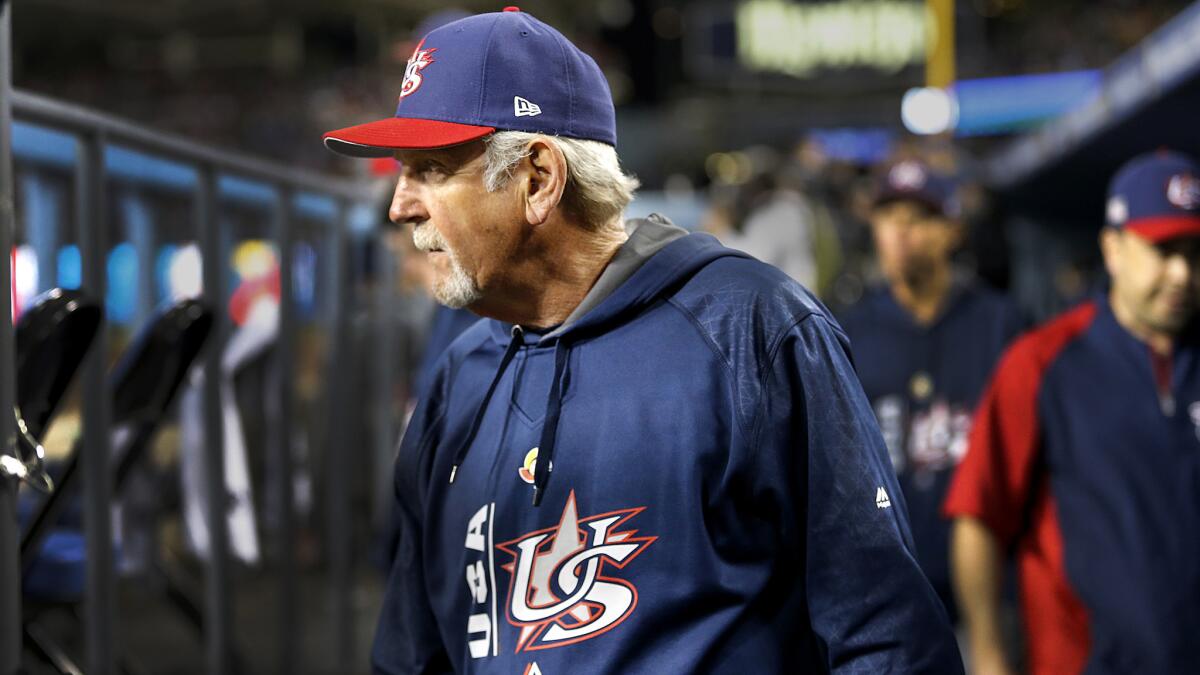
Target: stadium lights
997	105
928	111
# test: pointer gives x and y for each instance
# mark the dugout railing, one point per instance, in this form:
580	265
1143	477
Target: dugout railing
326	206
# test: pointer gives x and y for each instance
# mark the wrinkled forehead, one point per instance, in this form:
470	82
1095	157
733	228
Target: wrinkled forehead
451	156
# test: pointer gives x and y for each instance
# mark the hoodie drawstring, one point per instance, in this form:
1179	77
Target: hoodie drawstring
545	460
515	344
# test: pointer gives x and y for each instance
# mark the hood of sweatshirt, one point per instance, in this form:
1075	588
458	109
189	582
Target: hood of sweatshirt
656	257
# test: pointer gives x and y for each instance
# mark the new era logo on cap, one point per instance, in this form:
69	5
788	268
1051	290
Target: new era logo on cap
1117	211
524	108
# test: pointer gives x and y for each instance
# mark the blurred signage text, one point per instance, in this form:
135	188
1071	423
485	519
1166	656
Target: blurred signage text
800	39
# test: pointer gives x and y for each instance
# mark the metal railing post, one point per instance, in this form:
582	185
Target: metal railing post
218	614
338	452
10	558
91	220
289	618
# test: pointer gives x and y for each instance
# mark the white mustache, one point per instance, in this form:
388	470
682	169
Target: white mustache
427	238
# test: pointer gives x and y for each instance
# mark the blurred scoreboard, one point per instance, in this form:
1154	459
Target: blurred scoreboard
829	46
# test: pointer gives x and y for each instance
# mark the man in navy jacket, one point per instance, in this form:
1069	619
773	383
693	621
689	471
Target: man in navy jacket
925	341
1084	459
655	456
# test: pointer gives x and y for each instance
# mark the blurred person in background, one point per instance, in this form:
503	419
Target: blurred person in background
841	194
925	340
772	217
778	228
654	456
1084	459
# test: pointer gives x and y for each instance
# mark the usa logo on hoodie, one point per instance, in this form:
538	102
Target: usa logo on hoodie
563	587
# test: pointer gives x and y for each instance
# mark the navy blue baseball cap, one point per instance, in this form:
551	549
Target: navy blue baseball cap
916	181
484	73
1156	195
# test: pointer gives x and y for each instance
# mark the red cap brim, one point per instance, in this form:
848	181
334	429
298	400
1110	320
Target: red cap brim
1164	228
383	137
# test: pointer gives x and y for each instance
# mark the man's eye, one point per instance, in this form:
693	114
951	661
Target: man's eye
1187	249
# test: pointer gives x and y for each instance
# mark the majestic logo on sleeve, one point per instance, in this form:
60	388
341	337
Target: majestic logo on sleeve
562	588
412	73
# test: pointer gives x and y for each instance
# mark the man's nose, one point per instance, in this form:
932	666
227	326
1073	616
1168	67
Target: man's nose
406	205
1180	269
906	233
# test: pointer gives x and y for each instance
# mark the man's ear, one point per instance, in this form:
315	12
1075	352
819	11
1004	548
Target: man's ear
543	176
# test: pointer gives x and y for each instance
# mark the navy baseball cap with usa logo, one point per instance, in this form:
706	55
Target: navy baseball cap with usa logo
1157	196
913	180
484	73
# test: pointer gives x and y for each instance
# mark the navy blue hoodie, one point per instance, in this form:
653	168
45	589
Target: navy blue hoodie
718	497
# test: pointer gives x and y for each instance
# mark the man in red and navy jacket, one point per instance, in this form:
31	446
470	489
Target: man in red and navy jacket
1084	457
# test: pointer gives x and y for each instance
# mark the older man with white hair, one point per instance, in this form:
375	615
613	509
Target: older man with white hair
655	456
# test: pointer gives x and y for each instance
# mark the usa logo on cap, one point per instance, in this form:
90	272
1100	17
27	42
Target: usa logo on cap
907	176
1184	191
412	72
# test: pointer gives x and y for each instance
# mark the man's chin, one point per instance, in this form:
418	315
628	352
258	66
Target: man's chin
918	277
454	303
456	296
1174	320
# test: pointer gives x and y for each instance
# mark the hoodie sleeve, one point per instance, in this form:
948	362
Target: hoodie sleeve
407	641
869	604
